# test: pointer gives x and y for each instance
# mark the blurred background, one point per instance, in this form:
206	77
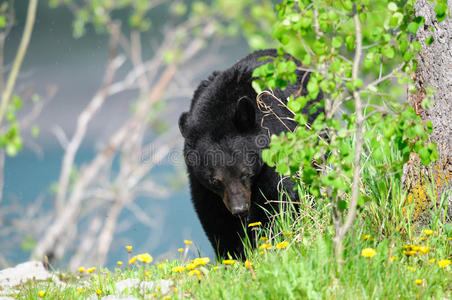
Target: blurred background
91	156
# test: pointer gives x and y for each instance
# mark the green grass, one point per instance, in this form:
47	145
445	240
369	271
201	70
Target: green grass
304	267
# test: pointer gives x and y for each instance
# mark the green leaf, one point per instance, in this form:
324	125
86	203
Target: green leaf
313	88
318	47
392	6
2	21
267	157
335	66
342	205
348	5
369	60
337	41
424	155
35	131
427	103
440	9
306	60
350	42
294	106
396	19
419	130
256	86
388	51
413	27
306	22
282	168
429	40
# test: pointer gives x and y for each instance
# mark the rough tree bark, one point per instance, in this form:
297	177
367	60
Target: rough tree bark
434	70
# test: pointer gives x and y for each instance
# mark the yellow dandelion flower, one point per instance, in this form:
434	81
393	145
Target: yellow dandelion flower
99	292
423	238
415	248
161	266
412	252
366	236
215	268
41	293
229	261
180	250
247	264
428	232
282	245
264	238
265	246
368	252
287	233
393	258
201	261
119	263
424	249
191	266
147	273
129	248
254	224
133	260
432	260
91	270
449	238
195	272
178	269
261	252
188	242
443	263
410	268
145	258
419	281
79	291
409	253
81	270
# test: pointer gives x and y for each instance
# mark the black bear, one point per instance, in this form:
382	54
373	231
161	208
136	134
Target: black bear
225	131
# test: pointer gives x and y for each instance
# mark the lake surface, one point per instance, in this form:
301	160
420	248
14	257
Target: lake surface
76	67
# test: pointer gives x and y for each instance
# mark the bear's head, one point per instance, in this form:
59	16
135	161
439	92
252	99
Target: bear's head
223	138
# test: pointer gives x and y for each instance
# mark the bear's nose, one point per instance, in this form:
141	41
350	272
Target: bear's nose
240	210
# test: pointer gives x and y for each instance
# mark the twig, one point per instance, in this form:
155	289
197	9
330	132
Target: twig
82	124
31	14
342	231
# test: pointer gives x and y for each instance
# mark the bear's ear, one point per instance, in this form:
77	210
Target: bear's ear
245	114
183	124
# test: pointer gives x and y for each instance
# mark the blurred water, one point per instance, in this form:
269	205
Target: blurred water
29	176
76	67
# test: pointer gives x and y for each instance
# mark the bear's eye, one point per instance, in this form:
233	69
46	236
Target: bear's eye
215	182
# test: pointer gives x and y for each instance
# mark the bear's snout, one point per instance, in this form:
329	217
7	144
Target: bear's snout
237	198
240	210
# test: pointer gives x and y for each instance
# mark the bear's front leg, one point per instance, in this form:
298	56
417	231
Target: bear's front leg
224	230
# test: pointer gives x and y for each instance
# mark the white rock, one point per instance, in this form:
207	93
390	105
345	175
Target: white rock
127	283
23	272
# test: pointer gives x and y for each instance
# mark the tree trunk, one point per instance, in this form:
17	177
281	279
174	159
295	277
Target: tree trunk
434	70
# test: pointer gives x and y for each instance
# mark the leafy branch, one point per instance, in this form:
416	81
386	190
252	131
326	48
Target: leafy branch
6	95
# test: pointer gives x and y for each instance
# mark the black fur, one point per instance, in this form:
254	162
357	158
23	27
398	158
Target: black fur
225	131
